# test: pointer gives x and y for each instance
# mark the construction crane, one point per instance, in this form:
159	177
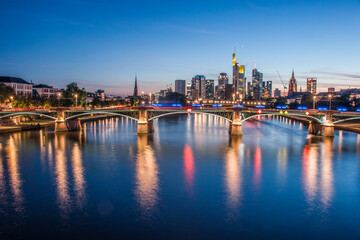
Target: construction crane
282	82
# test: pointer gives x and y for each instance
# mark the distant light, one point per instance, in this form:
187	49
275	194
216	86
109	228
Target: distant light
286	112
342	109
189	110
196	105
307	113
358	109
259	111
323	108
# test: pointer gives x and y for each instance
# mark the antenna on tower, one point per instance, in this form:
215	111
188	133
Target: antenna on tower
255	64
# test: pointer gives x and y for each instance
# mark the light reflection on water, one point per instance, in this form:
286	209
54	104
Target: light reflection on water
147	179
233	176
275	165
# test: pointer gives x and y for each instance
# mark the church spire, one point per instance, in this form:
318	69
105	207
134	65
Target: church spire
135	87
293	73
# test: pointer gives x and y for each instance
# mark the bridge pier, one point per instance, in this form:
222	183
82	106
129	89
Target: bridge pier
235	127
327	129
144	125
315	128
62	125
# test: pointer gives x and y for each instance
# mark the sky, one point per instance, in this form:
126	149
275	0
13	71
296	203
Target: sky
103	44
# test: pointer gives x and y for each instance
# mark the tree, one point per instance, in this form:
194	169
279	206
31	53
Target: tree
5	92
174	97
74	93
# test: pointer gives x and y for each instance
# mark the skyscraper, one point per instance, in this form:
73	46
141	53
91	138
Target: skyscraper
292	85
311	85
277	93
209	89
268	89
198	87
257	85
180	86
238	79
135	88
223	79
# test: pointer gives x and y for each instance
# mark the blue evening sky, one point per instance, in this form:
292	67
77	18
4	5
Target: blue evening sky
102	44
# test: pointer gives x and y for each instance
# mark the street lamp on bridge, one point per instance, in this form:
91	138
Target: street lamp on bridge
314	102
330	96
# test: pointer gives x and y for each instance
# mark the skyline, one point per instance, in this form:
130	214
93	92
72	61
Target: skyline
99	46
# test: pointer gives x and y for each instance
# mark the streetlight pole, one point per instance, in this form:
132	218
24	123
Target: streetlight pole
12	101
76	100
314	102
150	98
330	101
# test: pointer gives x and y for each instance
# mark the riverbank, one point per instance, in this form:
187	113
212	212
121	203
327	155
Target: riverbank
26	126
39	124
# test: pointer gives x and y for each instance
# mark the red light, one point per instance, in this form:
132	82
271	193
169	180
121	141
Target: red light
307	113
259	111
189	110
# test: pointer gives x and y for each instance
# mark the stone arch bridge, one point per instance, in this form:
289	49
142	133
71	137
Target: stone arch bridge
320	123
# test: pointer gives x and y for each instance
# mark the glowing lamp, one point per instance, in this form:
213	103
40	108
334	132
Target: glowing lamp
307	113
259	111
189	110
281	112
286	112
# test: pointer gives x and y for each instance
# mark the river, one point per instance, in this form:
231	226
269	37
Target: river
189	180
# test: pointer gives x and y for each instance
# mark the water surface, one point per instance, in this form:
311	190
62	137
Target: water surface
189	180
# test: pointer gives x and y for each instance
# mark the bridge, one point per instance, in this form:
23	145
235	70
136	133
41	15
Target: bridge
320	122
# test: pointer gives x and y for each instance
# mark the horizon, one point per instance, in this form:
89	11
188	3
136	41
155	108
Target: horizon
103	47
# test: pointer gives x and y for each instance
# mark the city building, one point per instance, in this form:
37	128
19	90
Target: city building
90	97
43	90
20	86
277	93
188	90
229	92
238	79
311	85
257	85
180	86
209	89
268	89
292	85
100	94
331	90
223	79
198	87
250	92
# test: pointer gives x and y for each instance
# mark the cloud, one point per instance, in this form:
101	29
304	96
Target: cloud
336	75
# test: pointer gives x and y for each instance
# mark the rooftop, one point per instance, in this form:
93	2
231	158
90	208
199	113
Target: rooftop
4	79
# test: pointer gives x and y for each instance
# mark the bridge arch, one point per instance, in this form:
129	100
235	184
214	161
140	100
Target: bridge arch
192	112
346	119
26	113
100	112
284	115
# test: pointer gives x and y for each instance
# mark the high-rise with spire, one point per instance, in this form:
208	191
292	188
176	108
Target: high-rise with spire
292	85
135	87
238	78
